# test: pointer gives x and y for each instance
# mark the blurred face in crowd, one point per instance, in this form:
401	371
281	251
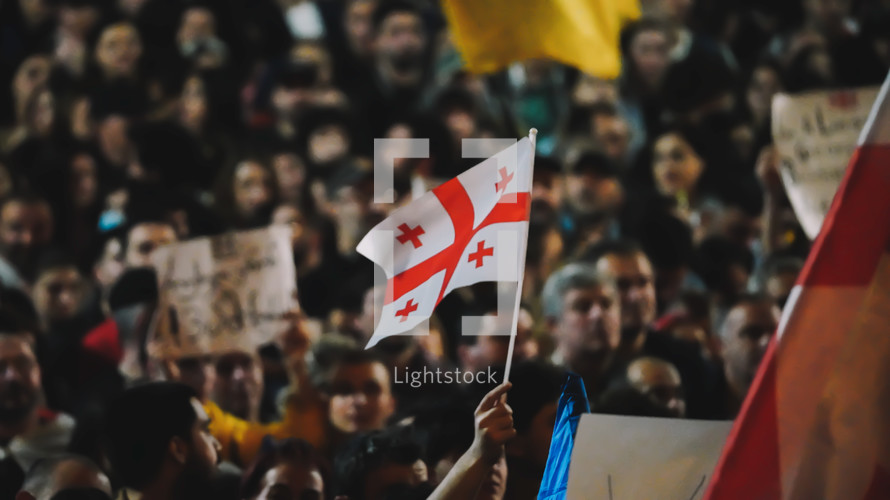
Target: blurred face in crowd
361	397
763	86
77	21
193	103
252	188
197	24
660	382
649	55
59	293
635	280
118	50
41	113
590	323
84	181
612	133
829	15
199	373
25	228
399	44
591	193
591	90
677	167
19	379
548	187
290	480
239	385
677	10
143	239
291	175
359	31
33	73
492	343
113	140
290	216
779	286
328	144
746	334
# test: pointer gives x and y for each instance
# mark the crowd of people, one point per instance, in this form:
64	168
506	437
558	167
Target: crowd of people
661	245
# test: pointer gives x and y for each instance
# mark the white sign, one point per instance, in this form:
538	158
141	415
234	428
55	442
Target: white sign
223	293
815	134
634	458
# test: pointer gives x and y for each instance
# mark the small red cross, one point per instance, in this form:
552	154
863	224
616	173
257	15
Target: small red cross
412	234
501	185
410	307
480	253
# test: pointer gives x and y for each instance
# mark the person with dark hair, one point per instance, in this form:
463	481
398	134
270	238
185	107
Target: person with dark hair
287	469
779	277
65	476
61	297
371	466
593	197
59	291
399	67
645	49
159	442
627	264
358	388
746	332
143	237
28	430
725	268
612	133
247	194
26	228
238	384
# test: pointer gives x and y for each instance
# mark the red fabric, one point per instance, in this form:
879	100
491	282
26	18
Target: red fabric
459	207
104	341
853	238
749	467
46	415
846	253
880	485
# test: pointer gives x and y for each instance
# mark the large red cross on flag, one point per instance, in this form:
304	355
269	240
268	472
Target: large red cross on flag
458	234
816	423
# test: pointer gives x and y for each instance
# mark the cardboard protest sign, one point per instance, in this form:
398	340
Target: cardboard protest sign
815	134
631	458
223	293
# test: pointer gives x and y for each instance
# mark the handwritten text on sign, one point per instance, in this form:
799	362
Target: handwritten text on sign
815	134
631	458
223	293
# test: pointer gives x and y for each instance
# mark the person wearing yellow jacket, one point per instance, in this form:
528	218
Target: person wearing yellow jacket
305	414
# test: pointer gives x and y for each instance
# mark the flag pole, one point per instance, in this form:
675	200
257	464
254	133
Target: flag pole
532	136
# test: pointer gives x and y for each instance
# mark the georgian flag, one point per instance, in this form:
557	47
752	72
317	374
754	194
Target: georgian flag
470	229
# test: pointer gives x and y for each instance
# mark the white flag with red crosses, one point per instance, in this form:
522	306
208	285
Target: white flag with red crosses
471	229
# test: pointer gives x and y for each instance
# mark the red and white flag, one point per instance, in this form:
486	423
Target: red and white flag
470	229
816	424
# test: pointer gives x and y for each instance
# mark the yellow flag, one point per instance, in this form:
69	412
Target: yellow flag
491	34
